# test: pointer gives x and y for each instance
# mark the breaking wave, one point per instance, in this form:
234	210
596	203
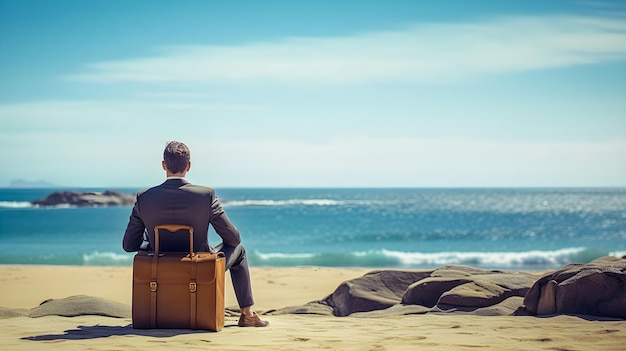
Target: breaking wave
15	204
397	259
527	260
291	202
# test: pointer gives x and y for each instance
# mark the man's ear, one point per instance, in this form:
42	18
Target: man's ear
188	166
164	165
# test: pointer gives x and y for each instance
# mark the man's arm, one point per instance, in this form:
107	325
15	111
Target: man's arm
222	224
133	237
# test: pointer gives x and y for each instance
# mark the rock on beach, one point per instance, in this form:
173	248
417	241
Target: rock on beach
595	289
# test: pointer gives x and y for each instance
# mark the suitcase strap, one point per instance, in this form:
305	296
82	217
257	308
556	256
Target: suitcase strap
153	291
193	286
192	291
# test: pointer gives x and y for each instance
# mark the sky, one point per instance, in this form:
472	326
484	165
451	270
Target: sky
527	93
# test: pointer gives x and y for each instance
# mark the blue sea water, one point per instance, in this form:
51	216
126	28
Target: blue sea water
383	228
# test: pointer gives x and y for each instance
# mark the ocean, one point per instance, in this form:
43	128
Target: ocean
498	228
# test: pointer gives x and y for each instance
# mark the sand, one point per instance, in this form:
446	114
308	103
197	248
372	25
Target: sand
25	287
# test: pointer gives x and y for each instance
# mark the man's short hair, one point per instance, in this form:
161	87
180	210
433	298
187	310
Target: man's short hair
176	156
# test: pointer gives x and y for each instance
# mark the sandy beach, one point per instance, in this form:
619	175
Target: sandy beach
25	287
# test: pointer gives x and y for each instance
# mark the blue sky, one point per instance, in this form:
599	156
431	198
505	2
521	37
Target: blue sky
315	93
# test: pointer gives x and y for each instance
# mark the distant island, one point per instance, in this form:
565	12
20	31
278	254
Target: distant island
87	198
22	183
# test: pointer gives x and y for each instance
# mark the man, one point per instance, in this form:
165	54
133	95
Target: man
177	201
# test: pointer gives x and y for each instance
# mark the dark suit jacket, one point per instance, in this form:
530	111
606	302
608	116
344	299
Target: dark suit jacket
177	201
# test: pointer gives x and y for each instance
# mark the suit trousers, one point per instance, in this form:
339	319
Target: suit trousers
237	263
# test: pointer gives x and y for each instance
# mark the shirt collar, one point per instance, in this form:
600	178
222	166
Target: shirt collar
180	178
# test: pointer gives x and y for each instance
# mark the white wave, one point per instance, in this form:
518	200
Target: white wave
499	259
617	253
107	259
26	204
533	259
15	204
276	255
291	202
61	206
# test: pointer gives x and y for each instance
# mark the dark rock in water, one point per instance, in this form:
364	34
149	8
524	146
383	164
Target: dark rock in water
90	198
597	288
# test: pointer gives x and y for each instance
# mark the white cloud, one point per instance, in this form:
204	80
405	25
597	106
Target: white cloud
420	53
116	116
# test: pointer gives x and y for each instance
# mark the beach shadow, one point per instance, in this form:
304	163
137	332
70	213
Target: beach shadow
84	332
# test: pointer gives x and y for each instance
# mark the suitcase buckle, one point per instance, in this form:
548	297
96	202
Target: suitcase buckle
193	287
153	286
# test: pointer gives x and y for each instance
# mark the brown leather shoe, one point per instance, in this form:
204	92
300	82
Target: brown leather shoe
254	321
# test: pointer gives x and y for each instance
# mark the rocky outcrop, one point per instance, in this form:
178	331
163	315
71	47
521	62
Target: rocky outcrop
597	288
91	198
374	291
447	289
594	289
459	286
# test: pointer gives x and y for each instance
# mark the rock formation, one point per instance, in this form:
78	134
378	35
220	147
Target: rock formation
91	198
446	289
450	288
374	291
466	287
597	288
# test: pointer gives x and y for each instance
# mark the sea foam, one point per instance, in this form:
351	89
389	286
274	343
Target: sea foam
534	259
290	202
15	204
107	259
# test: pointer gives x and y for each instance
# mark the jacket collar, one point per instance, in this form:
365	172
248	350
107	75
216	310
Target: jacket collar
175	182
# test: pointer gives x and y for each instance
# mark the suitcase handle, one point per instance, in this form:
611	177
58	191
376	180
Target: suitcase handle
172	228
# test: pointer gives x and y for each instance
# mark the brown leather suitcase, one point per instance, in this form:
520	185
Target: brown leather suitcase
178	290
